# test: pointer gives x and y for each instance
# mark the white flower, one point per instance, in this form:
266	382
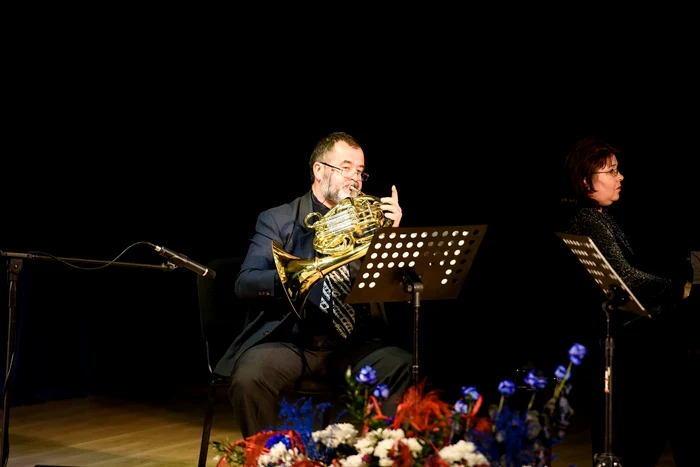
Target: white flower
462	453
383	448
414	445
389	433
366	444
476	458
353	461
334	435
279	455
389	439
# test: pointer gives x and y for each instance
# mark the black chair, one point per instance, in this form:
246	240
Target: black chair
221	318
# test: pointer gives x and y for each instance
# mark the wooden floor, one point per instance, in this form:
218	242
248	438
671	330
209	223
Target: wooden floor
103	431
106	431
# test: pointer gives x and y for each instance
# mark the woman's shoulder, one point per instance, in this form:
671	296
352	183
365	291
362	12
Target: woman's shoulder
584	214
588	213
586	221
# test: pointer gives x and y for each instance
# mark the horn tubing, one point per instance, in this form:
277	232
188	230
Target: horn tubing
312	270
341	216
346	211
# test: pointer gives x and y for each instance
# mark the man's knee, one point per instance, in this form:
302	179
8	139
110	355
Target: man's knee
392	365
245	379
264	375
395	357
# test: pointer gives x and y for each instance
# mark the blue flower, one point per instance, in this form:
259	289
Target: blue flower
470	392
367	375
461	407
381	391
561	372
534	381
502	436
278	438
576	353
506	387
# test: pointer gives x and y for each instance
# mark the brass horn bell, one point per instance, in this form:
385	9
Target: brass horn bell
342	236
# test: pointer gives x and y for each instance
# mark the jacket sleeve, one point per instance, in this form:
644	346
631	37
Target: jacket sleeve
258	275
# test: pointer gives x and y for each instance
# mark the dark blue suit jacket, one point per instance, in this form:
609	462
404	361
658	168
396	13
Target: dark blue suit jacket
258	281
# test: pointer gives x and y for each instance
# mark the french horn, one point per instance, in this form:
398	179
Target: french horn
341	236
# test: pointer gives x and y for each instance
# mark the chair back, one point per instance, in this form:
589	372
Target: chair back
222	314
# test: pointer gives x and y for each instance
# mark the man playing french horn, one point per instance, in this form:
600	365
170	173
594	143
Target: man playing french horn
299	267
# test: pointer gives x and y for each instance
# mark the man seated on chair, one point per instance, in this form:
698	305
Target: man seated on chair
279	342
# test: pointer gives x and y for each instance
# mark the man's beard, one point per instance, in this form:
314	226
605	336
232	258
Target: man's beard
337	195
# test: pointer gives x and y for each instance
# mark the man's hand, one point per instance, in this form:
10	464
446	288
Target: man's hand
391	208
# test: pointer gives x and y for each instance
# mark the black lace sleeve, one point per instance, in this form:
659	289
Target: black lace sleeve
650	290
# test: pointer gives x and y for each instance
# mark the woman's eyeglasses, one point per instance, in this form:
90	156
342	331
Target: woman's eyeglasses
613	172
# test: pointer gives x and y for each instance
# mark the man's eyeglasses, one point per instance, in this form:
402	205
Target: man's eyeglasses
348	172
613	172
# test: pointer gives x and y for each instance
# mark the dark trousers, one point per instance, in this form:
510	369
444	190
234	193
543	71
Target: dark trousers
264	370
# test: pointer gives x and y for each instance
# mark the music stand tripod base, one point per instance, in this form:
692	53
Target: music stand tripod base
607	460
619	298
409	264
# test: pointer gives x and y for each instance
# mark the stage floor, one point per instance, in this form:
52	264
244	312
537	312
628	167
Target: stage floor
100	431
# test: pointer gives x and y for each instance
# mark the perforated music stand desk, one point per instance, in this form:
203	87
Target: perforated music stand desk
604	275
619	297
410	264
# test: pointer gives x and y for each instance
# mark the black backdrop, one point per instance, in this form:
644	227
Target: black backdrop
103	159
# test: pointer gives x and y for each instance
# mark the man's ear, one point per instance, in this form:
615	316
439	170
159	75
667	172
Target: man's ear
317	170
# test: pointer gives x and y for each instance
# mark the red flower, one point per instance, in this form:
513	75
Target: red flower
422	413
255	445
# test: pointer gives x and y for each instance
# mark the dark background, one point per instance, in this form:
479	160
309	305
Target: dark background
179	148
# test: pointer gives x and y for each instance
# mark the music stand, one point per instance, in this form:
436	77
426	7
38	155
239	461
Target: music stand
620	298
416	263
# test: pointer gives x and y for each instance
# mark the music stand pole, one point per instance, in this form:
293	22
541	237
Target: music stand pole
619	298
607	458
413	285
413	264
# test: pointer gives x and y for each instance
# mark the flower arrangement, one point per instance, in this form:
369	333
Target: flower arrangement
424	431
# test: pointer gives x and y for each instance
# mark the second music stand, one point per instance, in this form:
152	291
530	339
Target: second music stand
416	263
620	298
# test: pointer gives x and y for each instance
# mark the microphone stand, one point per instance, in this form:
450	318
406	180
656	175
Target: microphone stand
14	268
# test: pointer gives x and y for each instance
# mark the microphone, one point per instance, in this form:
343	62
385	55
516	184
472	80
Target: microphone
182	260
